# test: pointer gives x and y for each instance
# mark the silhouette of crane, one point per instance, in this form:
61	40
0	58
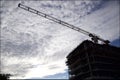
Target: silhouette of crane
93	36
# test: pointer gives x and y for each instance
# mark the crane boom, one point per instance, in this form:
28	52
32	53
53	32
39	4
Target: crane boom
94	37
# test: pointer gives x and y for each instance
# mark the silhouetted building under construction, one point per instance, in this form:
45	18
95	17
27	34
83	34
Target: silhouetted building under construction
90	61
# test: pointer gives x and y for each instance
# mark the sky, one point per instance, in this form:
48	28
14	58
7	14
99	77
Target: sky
34	47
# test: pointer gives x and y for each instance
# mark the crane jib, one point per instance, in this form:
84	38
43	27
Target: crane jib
93	36
52	18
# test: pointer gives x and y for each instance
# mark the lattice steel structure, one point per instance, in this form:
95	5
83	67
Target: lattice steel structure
93	36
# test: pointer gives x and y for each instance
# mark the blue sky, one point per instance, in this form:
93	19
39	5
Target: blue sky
116	42
34	47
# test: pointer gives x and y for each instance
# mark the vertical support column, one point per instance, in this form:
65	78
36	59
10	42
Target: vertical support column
69	74
88	60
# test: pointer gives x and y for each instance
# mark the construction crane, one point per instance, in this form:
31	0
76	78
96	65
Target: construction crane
93	36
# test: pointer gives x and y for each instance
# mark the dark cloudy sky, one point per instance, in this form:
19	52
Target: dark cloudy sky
34	47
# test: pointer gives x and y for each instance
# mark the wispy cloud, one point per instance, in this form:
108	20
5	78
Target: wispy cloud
34	47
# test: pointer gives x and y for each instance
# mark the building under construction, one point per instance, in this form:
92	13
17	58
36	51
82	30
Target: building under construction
94	61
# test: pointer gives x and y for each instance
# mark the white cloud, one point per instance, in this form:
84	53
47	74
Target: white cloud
32	46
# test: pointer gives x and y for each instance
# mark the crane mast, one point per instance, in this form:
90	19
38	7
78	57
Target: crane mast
94	37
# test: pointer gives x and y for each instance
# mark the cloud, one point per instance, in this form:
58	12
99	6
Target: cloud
34	47
58	76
